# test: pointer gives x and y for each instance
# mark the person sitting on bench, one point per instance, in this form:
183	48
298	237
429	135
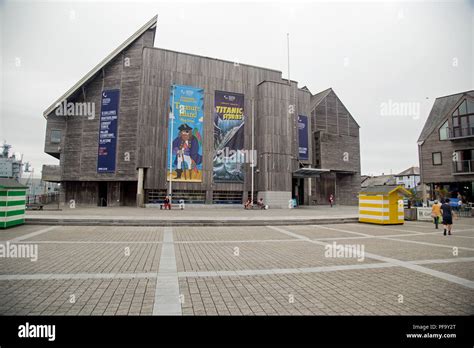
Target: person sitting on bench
167	203
248	204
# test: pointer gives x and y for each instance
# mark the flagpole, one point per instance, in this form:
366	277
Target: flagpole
288	49
253	152
171	146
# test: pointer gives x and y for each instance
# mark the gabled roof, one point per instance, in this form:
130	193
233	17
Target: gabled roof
439	111
410	171
379	180
319	97
90	75
385	190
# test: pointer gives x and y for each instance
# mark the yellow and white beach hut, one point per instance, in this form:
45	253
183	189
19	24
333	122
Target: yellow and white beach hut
382	204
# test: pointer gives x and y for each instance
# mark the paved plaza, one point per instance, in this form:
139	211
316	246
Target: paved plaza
409	269
193	214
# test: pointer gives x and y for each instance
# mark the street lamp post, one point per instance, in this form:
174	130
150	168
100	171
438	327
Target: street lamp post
171	144
252	165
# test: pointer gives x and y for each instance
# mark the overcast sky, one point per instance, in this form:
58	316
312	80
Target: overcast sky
377	56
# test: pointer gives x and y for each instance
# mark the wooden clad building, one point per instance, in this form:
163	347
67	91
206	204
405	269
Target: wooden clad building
446	147
143	76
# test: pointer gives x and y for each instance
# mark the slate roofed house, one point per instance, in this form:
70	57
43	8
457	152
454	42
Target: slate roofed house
409	178
446	147
379	180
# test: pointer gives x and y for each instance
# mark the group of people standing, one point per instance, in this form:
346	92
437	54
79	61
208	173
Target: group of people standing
443	212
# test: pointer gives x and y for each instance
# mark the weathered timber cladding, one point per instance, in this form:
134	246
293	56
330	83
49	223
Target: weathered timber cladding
442	173
430	142
336	146
163	68
78	154
143	130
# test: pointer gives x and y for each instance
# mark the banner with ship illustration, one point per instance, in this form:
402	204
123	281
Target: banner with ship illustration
229	154
185	131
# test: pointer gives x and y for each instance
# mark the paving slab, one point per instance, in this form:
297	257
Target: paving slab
240	270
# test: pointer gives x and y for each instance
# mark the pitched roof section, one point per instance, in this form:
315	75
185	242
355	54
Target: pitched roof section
385	190
441	107
149	25
379	180
410	171
6	183
319	97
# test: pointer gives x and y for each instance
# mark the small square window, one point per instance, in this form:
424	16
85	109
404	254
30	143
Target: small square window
55	136
437	158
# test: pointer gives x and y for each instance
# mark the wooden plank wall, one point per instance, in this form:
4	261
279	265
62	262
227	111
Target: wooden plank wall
337	147
276	141
162	68
442	173
78	153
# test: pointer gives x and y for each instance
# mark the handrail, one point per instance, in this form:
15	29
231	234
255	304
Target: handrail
464	166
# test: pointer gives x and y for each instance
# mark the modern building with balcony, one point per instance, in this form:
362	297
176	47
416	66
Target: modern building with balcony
446	147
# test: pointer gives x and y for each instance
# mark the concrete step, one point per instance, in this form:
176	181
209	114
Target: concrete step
187	222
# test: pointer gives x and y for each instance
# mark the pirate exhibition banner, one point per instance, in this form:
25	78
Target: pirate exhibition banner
185	134
229	119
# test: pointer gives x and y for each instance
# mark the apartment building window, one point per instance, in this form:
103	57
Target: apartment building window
443	131
437	158
463	119
464	162
55	136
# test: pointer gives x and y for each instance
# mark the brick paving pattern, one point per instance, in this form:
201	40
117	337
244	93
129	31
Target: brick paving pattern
114	270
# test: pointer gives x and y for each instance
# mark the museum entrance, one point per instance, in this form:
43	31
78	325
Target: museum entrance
102	197
297	191
306	176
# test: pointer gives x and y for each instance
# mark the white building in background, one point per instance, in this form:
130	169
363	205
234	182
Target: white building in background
409	178
37	187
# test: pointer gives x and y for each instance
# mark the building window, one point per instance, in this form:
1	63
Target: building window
463	119
55	136
464	161
443	131
437	159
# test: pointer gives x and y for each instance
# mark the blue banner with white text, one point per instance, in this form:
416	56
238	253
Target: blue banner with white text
108	131
303	138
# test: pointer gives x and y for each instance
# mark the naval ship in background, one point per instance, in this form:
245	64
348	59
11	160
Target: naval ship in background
13	167
10	166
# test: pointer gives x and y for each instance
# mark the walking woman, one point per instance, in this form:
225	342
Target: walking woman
448	213
436	213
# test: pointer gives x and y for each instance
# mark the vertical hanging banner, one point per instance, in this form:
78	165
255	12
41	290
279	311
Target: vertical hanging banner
229	154
185	129
303	138
108	131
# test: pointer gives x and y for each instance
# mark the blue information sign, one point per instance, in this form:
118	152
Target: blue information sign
108	131
303	137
